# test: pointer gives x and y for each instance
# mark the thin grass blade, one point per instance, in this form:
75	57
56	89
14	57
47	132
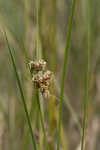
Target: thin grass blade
64	72
42	121
22	94
86	101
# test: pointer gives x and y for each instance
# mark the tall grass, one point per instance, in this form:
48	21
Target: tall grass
22	94
38	57
64	71
42	120
87	82
39	110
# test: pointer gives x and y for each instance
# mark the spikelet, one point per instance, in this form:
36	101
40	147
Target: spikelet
37	65
42	78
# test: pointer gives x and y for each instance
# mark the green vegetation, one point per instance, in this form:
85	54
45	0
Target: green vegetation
49	75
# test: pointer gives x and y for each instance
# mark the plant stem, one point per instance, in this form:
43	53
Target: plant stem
38	49
38	56
22	95
87	83
42	120
64	72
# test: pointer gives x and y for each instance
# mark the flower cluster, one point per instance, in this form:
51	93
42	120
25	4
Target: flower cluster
37	65
42	77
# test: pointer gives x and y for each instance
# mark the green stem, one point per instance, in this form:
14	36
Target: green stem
42	120
38	50
87	83
38	56
64	72
22	95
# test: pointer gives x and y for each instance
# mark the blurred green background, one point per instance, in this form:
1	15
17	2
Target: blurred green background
19	19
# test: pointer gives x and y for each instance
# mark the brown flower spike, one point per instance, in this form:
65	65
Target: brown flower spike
37	65
42	78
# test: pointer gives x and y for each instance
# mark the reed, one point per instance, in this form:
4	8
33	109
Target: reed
21	92
64	71
86	100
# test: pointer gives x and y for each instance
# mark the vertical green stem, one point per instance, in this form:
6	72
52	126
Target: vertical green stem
27	20
22	95
38	56
42	120
64	72
38	10
87	83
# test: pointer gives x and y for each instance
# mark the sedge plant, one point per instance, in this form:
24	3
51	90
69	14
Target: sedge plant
22	94
65	64
86	100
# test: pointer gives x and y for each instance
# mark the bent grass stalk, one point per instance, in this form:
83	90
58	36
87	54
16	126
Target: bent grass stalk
22	94
87	84
64	72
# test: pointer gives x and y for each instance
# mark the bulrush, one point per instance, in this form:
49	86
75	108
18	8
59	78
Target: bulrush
37	65
41	77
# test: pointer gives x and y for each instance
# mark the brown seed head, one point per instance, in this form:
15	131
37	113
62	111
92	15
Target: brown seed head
41	79
37	65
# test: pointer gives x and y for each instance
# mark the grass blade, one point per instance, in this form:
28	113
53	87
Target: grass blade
42	120
22	95
64	71
38	57
87	84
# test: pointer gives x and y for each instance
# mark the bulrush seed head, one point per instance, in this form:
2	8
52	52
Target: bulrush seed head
47	75
41	79
37	65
